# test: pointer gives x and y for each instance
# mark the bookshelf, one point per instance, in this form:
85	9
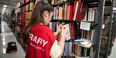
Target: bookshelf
95	25
97	4
22	18
24	4
106	35
109	46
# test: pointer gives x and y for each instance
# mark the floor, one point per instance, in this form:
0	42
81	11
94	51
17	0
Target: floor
7	36
113	52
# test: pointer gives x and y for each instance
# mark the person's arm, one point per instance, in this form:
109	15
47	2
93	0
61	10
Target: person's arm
62	40
58	46
55	51
55	33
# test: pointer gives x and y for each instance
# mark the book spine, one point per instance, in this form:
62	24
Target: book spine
75	11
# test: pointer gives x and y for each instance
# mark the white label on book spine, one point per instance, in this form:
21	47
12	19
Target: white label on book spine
85	26
103	26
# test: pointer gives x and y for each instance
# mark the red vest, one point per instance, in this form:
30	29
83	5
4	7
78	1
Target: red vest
41	39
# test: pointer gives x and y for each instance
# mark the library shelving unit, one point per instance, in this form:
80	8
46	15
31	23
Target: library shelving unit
26	3
22	14
26	11
99	15
109	41
106	39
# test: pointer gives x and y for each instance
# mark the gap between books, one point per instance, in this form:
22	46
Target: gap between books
29	11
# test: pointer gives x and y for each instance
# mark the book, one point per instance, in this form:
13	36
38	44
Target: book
28	15
70	48
91	51
78	50
81	11
55	10
52	2
73	48
60	13
68	33
26	1
27	22
76	3
31	5
88	35
91	14
65	11
28	7
70	11
92	35
72	31
55	1
83	42
22	1
24	9
67	49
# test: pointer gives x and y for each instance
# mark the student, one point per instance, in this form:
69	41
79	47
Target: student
42	42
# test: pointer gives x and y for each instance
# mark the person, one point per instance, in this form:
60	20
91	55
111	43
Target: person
42	42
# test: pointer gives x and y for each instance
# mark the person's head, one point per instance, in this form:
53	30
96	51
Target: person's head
41	14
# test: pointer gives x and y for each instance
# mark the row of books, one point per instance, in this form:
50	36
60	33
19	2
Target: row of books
76	50
74	31
26	13
25	1
75	11
58	1
28	7
71	11
73	37
71	27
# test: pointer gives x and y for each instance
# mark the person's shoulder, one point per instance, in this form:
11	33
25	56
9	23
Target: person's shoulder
41	27
46	28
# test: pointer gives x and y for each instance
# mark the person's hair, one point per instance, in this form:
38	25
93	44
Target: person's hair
36	17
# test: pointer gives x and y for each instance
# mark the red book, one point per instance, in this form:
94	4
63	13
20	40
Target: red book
26	1
72	31
24	9
70	11
73	48
74	9
81	11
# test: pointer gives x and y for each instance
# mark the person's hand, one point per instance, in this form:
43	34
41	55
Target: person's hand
59	29
64	31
